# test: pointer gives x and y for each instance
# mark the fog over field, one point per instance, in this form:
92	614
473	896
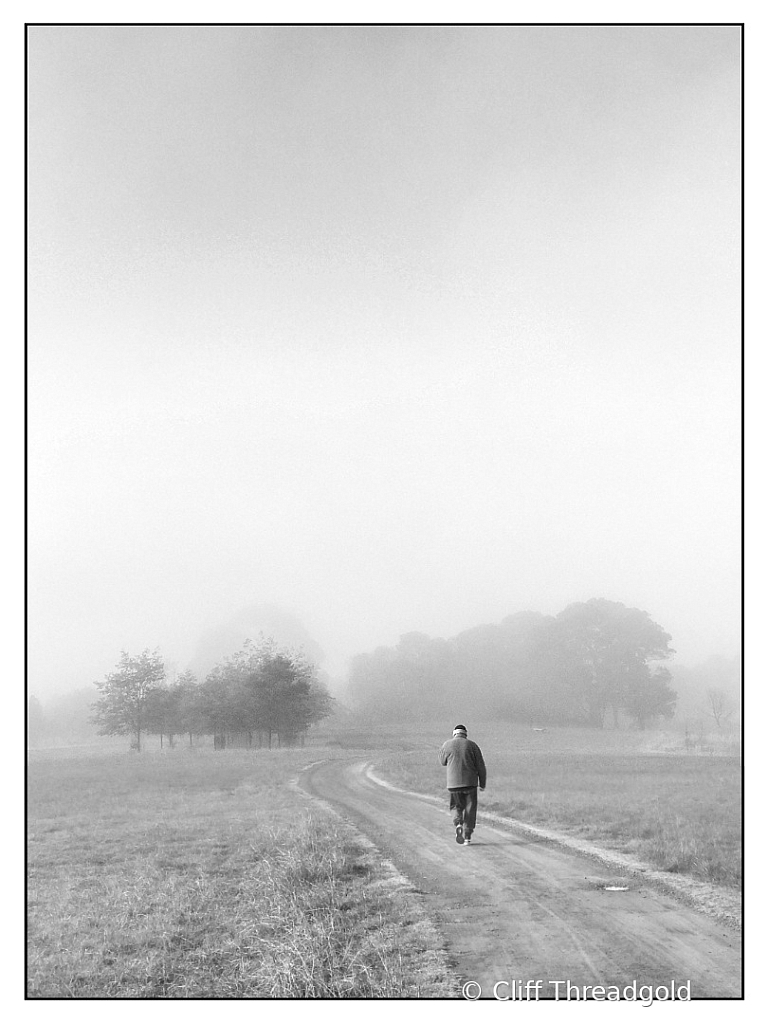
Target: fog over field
343	333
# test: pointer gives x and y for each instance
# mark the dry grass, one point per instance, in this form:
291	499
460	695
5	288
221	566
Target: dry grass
197	873
203	874
680	813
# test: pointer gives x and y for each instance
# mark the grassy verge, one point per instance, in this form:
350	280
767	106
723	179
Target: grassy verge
204	874
676	812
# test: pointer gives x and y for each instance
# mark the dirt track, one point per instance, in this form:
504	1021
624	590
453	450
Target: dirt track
513	907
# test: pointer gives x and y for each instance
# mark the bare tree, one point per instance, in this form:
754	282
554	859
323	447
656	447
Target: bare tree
720	706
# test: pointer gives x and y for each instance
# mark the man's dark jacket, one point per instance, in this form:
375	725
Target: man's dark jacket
464	759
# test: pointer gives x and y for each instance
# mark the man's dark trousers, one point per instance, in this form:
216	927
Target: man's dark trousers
464	806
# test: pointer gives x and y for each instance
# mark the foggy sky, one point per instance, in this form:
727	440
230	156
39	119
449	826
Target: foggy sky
401	328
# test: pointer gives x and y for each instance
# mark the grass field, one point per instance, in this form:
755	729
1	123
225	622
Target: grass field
194	872
198	873
626	790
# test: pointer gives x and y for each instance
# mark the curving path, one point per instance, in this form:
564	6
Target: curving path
513	907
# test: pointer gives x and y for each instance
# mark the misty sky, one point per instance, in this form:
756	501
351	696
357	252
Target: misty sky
393	328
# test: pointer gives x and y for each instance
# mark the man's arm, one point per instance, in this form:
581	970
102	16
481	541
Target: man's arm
481	773
443	756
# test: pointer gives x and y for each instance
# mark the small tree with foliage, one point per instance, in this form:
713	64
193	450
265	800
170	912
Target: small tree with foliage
189	688
261	689
165	713
123	705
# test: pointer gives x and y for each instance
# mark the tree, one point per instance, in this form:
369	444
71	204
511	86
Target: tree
189	689
608	648
649	696
213	710
68	716
693	683
279	693
255	620
260	689
371	683
721	707
164	712
592	658
123	705
36	721
288	699
230	699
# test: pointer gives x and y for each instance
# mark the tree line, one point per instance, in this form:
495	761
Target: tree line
259	696
595	661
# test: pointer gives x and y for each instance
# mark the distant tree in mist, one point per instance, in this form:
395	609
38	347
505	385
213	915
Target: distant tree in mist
261	692
709	691
501	666
721	706
610	649
592	659
475	670
403	681
68	716
172	708
36	721
650	697
285	629
64	718
187	685
164	712
126	695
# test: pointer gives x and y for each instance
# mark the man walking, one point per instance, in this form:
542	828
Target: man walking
466	769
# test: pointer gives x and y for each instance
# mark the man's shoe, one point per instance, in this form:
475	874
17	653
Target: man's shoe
468	841
459	835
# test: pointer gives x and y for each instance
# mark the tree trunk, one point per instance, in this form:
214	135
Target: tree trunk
269	738
161	741
190	739
597	718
